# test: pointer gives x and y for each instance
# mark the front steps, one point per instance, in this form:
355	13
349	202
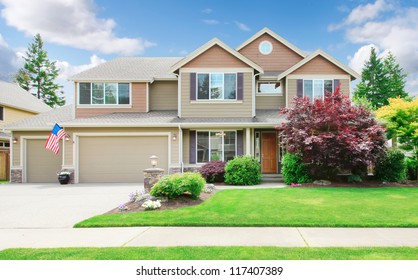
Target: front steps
272	178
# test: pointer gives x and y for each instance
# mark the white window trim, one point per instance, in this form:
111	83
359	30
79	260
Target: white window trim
223	144
266	93
117	105
265	42
223	87
323	86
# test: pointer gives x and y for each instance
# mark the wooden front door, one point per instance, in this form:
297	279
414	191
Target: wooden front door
269	152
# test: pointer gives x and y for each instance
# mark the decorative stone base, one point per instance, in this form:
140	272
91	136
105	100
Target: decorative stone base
16	176
151	177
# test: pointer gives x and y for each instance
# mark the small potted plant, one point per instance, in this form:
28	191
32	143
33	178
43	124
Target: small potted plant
64	177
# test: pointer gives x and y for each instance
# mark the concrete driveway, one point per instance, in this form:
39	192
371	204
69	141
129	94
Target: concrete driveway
58	206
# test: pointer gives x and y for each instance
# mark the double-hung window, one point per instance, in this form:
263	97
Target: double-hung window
316	88
104	94
216	86
216	145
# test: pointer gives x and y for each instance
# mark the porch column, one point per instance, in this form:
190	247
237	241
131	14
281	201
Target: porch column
248	141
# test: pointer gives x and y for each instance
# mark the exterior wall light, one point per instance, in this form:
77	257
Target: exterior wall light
14	140
67	137
154	160
174	138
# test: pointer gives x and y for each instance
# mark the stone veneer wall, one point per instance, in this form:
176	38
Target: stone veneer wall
185	169
16	176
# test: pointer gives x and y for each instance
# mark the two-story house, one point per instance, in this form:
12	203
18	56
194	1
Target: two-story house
214	104
15	104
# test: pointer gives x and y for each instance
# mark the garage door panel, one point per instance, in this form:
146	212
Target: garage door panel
119	159
41	164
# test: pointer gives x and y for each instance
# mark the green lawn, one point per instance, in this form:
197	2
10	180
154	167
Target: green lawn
212	253
302	207
4	182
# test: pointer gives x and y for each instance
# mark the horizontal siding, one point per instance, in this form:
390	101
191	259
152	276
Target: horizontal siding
345	87
139	104
319	65
291	90
163	96
280	59
12	115
216	57
270	102
212	108
186	146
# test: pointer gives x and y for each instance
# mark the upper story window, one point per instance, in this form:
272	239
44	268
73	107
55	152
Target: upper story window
216	86
271	87
265	47
1	113
317	88
104	94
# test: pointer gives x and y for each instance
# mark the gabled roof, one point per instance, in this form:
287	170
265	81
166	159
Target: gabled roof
12	95
207	46
275	36
316	53
44	121
141	69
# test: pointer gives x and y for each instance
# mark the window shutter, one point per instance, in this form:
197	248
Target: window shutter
240	142
1	114
192	146
192	86
240	86
336	83
299	88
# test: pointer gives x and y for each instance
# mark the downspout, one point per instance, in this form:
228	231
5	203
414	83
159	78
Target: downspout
181	149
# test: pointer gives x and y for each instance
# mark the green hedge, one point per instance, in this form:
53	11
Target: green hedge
243	170
294	171
391	167
175	185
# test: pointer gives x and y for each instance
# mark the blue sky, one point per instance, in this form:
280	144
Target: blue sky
80	34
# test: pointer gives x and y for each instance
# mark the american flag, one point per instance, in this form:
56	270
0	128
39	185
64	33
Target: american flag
53	141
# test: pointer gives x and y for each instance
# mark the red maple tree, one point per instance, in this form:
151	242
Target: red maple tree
331	134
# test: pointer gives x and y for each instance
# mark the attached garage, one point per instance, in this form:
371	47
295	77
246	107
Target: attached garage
119	159
42	165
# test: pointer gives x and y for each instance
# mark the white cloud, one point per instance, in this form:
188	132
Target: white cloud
183	52
356	62
396	32
71	23
10	61
363	13
210	21
242	26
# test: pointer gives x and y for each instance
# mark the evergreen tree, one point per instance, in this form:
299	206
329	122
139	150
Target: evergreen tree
395	78
42	74
380	80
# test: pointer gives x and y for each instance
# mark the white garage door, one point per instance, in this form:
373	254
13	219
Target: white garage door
42	165
119	159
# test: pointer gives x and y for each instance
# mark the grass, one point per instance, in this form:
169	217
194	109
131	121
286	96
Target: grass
212	253
302	207
4	182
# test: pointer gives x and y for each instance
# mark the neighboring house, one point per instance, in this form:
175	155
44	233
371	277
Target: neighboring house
15	104
214	104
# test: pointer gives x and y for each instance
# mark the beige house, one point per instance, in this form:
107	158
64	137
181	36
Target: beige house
15	104
214	104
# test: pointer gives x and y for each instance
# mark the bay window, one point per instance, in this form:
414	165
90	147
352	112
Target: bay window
215	145
104	93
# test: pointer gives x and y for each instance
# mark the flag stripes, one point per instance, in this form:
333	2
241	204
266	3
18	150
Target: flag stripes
52	143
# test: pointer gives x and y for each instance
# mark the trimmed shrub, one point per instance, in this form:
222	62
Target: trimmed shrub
294	171
213	171
354	179
412	168
243	170
175	185
391	167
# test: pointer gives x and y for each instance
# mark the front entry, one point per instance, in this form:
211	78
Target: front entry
268	152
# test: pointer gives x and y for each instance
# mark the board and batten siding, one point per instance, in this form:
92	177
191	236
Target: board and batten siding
138	102
280	59
163	95
215	57
216	108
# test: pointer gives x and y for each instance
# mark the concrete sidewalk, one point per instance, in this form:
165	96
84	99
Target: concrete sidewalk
208	236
